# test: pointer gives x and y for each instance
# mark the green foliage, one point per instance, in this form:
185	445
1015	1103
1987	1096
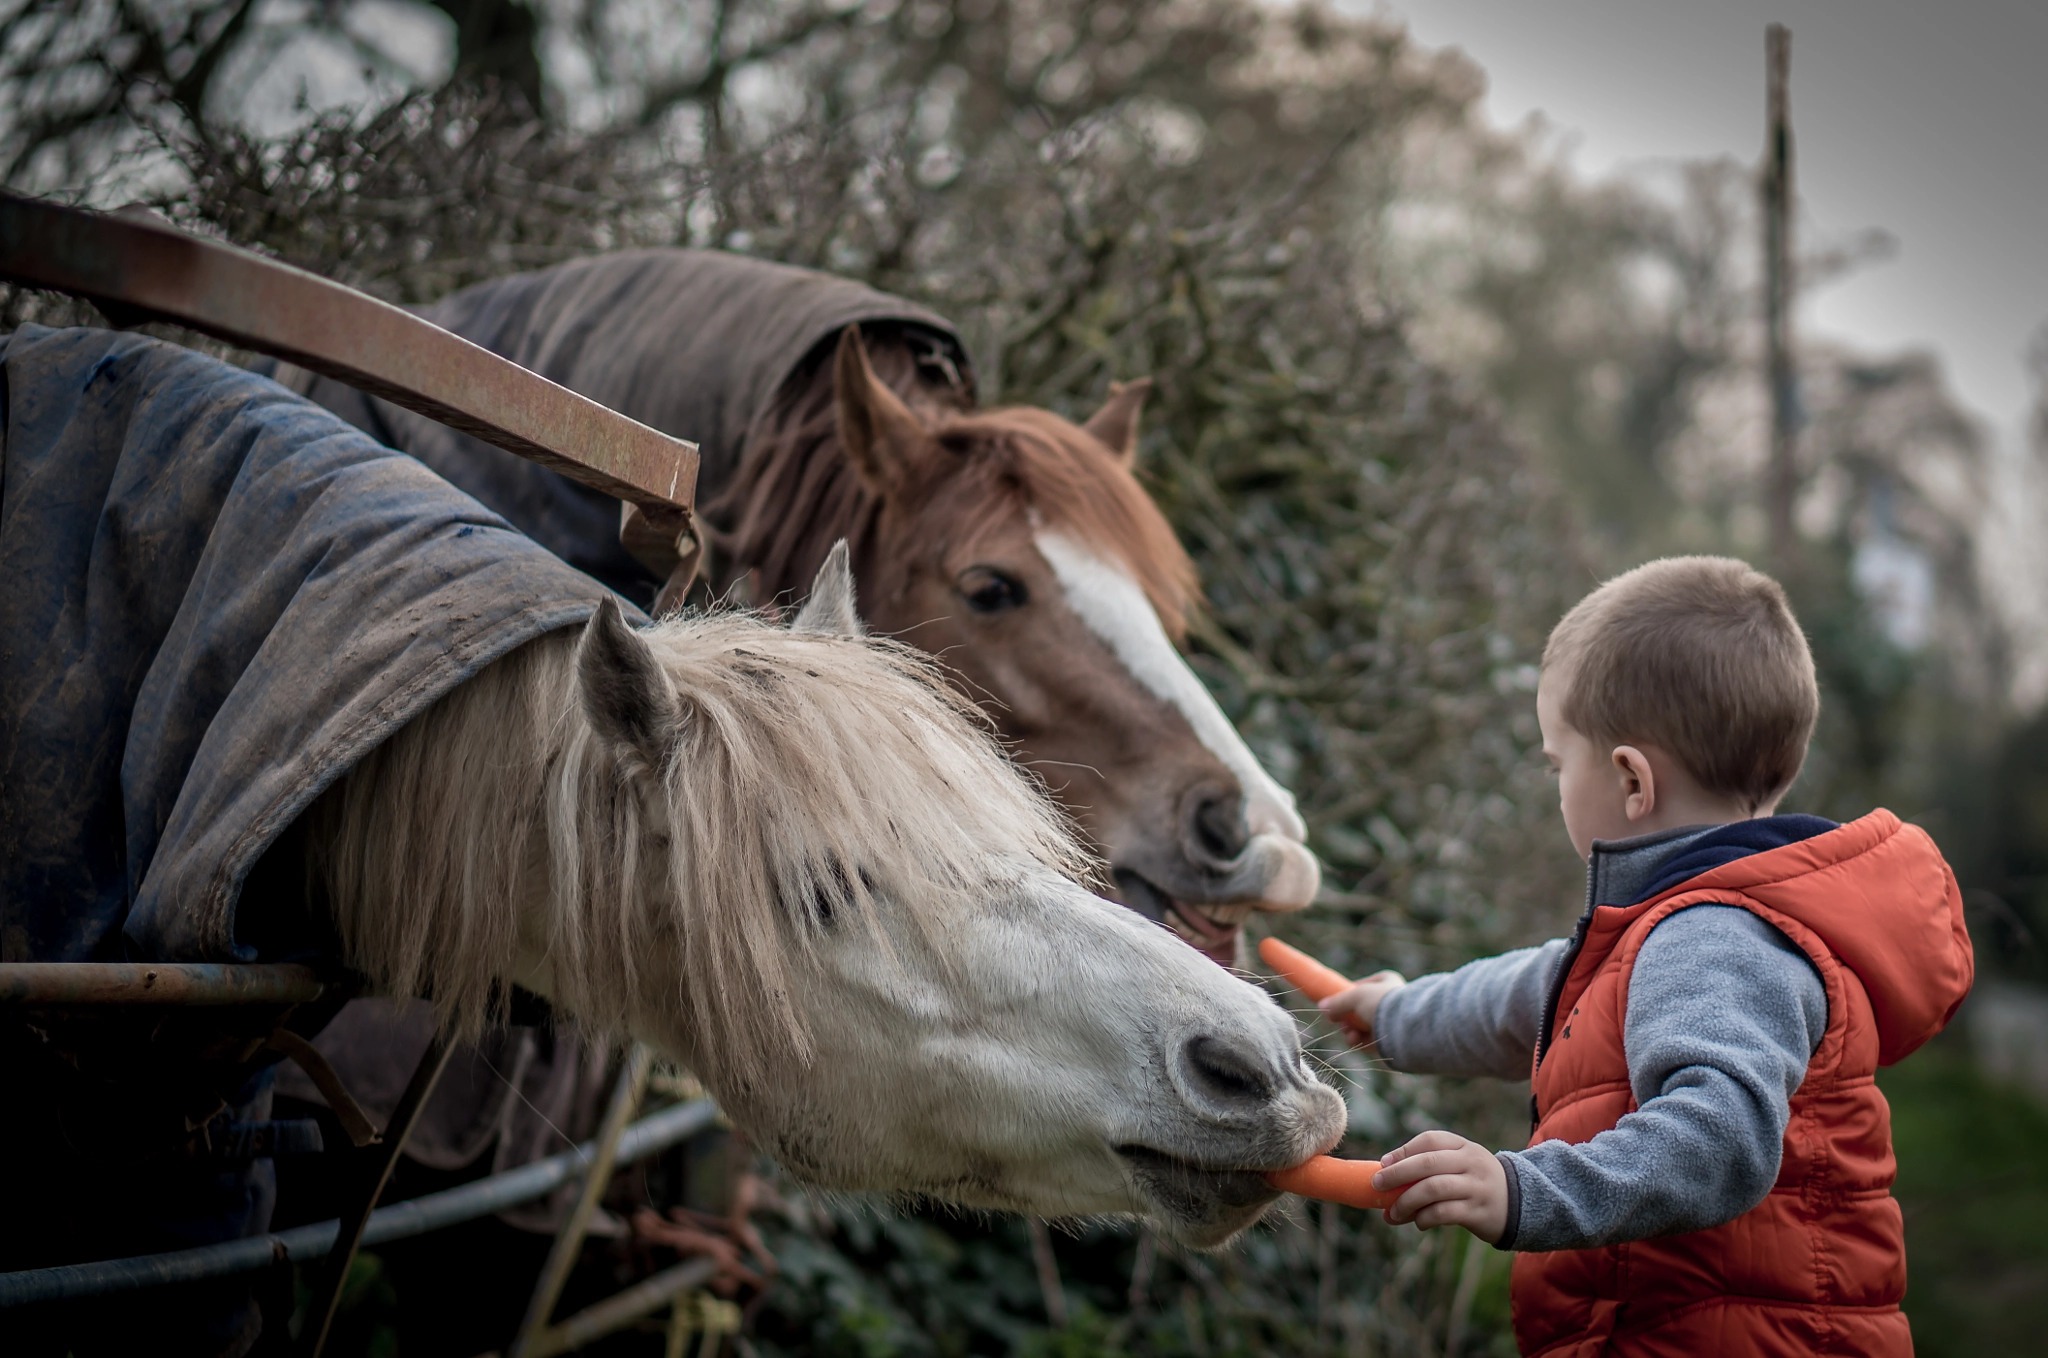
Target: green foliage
1974	1188
862	1278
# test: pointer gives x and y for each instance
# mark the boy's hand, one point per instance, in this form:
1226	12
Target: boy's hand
1454	1182
1356	1009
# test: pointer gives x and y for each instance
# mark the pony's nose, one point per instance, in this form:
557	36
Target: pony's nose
1227	1074
1215	833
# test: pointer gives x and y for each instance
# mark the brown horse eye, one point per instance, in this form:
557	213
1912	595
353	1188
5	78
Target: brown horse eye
990	591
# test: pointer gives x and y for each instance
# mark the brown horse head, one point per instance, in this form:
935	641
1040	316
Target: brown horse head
1020	549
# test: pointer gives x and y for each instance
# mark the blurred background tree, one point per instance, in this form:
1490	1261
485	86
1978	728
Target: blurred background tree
1419	388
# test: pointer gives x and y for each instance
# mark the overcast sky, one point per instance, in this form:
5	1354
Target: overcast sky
1928	118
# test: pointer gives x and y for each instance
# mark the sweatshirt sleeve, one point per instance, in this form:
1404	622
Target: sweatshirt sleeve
1478	1020
1724	1013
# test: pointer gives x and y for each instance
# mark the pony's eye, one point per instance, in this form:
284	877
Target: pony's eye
990	591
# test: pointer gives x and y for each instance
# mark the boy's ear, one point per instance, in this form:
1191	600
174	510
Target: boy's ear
1638	781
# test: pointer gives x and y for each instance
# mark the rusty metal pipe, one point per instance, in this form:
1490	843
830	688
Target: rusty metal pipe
181	983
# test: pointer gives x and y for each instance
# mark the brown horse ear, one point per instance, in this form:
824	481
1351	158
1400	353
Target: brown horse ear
1115	426
880	435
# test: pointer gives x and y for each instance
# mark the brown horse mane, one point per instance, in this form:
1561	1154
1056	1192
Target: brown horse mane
795	492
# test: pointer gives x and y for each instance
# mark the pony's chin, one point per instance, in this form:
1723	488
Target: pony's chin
1198	1207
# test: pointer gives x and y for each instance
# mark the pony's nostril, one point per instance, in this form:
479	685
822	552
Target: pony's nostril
1225	1073
1218	826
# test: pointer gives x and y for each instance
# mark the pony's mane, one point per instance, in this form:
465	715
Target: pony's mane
813	779
795	493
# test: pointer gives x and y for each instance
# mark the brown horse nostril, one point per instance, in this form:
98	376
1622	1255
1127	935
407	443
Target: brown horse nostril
1226	1072
1217	826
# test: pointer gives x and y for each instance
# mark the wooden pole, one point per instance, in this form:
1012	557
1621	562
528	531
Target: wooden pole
1781	478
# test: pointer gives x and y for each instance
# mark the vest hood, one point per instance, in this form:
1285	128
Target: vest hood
1881	896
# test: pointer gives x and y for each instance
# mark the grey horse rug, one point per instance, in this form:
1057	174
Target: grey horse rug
219	598
695	343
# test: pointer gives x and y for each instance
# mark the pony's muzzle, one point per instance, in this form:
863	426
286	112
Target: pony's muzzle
1248	851
1232	1081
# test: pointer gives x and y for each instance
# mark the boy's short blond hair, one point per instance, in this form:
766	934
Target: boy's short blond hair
1701	657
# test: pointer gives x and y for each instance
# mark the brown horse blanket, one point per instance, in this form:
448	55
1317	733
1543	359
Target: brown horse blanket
695	343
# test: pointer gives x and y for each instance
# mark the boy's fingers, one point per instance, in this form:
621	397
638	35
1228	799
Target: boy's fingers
1417	1160
1428	1141
1435	1189
1451	1212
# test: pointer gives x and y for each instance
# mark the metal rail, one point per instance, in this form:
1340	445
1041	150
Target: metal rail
181	983
533	1335
137	267
402	1220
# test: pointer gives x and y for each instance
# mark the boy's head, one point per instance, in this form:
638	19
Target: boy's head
1679	693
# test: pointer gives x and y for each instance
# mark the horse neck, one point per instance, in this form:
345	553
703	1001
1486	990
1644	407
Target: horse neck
451	863
795	493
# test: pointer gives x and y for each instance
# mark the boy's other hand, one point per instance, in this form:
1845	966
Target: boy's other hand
1451	1182
1356	1009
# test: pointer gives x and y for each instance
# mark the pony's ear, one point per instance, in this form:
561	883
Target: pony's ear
830	608
1115	426
881	437
625	694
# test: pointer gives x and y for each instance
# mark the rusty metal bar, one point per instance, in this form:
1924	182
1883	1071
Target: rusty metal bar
61	983
533	1335
137	267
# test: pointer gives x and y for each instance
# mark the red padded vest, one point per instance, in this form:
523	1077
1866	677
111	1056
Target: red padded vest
1820	1265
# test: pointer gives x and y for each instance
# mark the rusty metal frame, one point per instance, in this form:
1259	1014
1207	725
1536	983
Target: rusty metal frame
136	267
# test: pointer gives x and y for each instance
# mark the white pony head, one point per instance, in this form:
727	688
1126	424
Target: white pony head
794	860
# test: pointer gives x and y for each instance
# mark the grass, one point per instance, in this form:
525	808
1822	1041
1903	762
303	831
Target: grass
1973	1181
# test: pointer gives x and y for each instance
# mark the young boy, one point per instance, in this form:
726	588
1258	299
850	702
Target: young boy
1711	1160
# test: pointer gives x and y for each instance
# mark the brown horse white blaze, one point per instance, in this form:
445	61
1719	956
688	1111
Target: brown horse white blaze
1020	549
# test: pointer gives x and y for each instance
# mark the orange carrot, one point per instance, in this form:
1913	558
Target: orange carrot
1343	1181
1305	974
